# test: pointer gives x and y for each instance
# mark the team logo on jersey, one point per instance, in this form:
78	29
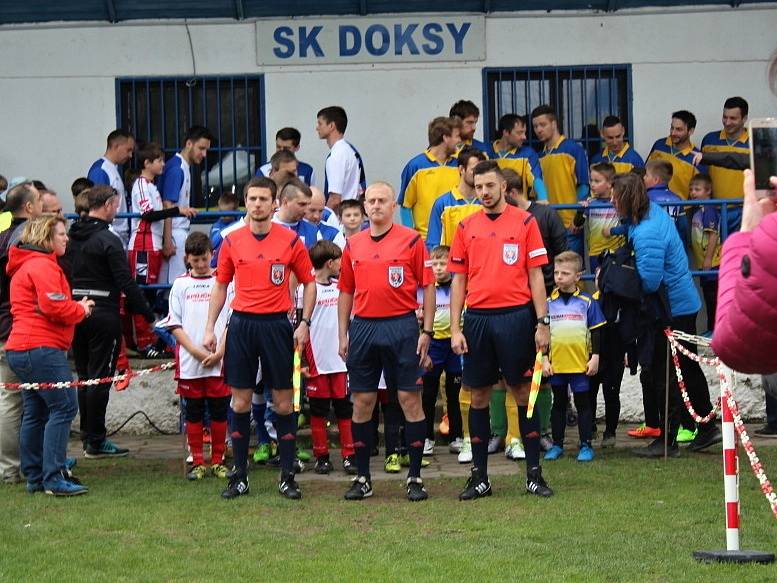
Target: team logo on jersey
277	273
396	276
510	253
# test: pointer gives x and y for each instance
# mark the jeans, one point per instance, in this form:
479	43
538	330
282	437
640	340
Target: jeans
48	413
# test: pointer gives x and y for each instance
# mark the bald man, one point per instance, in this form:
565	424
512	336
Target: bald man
51	203
317	212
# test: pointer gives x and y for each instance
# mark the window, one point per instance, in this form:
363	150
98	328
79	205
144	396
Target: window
582	96
162	109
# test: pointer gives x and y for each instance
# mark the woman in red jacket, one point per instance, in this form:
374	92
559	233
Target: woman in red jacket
44	318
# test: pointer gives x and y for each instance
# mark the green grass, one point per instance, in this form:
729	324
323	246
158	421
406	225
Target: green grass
619	519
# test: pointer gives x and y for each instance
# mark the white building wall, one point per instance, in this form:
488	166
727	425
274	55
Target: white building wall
58	102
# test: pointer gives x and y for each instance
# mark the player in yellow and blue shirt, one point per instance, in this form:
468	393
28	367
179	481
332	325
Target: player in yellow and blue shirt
616	151
564	170
429	174
510	152
454	206
733	138
469	114
575	319
679	151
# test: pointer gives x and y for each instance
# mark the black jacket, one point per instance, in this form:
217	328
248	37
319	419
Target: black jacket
7	239
554	235
96	265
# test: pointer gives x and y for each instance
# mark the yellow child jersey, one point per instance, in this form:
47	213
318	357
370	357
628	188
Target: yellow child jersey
600	214
424	179
442	312
571	321
705	221
726	183
624	161
682	165
564	168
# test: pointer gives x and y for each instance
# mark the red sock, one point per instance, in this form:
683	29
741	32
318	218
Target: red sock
346	438
318	433
218	437
194	438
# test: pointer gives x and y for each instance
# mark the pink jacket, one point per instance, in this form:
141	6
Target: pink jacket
746	324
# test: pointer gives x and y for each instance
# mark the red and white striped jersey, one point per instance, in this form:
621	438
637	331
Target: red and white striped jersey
145	236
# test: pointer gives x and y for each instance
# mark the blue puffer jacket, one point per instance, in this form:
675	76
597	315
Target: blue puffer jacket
661	257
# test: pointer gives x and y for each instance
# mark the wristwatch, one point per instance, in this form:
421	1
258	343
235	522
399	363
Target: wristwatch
306	320
543	320
429	333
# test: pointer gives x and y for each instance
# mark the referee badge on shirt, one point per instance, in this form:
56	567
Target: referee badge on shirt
277	273
396	275
510	253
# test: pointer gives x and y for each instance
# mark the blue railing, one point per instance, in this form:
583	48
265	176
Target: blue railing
208	217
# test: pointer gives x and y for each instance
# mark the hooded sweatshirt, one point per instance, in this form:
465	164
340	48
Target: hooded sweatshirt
96	265
44	315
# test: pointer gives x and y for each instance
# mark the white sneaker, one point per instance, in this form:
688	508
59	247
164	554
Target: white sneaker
455	445
428	447
465	454
190	459
515	450
495	443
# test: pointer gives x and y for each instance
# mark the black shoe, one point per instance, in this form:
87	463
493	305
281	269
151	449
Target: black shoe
415	490
476	487
289	488
656	449
349	465
323	465
707	436
766	431
237	486
536	484
151	353
374	451
299	466
361	488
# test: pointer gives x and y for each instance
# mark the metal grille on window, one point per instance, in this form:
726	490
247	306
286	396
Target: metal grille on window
232	108
582	97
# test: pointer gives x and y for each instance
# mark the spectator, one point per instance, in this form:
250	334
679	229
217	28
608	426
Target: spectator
616	150
469	114
51	203
119	149
175	188
22	203
746	319
289	139
344	176
315	214
511	153
79	185
44	318
663	269
97	264
679	151
769	383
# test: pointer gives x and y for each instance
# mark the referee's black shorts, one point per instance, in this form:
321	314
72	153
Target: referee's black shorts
499	340
386	345
254	336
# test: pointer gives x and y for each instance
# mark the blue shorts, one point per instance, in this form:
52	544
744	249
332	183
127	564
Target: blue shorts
578	381
386	345
498	341
254	336
442	356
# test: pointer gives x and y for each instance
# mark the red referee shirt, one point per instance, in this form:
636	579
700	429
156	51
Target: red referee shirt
260	267
384	275
496	255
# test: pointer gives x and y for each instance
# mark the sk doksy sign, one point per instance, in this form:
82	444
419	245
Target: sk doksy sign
370	40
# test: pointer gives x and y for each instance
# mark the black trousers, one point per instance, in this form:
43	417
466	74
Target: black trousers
695	381
610	376
96	346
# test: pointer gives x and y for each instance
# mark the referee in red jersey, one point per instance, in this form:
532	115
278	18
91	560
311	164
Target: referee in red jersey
496	258
261	257
381	270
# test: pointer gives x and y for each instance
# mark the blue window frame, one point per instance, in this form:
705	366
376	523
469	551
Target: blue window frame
582	96
161	109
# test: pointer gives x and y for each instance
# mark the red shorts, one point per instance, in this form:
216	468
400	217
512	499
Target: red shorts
145	266
202	388
328	386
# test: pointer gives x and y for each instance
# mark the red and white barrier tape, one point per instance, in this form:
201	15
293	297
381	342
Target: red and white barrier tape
87	383
739	425
674	345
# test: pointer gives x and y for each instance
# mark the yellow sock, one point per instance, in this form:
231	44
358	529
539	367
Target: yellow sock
513	429
465	399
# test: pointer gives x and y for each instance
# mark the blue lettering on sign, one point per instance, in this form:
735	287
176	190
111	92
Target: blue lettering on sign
404	37
309	41
431	33
369	40
352	47
458	36
284	36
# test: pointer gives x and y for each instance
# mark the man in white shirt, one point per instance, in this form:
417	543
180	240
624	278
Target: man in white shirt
344	171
